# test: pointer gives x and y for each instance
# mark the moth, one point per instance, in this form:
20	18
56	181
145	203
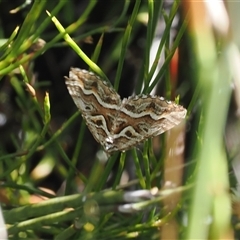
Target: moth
116	124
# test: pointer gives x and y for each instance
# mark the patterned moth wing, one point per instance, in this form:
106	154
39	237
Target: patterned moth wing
97	101
119	125
141	117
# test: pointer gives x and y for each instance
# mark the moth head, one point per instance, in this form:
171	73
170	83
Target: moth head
109	145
